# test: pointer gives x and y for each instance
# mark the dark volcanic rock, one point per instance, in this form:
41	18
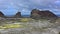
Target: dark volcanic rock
18	15
1	14
48	15
45	14
34	14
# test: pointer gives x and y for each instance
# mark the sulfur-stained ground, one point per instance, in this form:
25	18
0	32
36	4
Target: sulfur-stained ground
30	26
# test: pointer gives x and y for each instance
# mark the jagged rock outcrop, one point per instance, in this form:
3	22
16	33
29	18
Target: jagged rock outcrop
46	14
34	14
1	14
18	15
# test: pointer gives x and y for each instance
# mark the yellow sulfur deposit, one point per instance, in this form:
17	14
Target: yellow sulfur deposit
6	26
1	27
25	20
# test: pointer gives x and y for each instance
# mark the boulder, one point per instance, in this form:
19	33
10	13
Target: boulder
18	15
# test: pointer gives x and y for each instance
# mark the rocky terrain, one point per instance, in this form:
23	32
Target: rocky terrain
31	26
39	22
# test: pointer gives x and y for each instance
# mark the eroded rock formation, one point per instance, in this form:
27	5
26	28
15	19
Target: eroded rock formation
34	14
18	15
1	14
45	14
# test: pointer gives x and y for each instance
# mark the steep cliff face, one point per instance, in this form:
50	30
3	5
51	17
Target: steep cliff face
1	14
18	15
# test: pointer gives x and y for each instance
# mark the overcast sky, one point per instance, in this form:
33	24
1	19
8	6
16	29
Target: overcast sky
10	7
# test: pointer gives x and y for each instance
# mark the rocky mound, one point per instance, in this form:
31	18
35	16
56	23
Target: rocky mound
34	14
44	14
18	15
1	14
47	14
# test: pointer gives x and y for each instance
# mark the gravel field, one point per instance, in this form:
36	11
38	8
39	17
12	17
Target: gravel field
32	26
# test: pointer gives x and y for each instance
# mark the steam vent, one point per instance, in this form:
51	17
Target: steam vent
1	14
18	15
46	14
